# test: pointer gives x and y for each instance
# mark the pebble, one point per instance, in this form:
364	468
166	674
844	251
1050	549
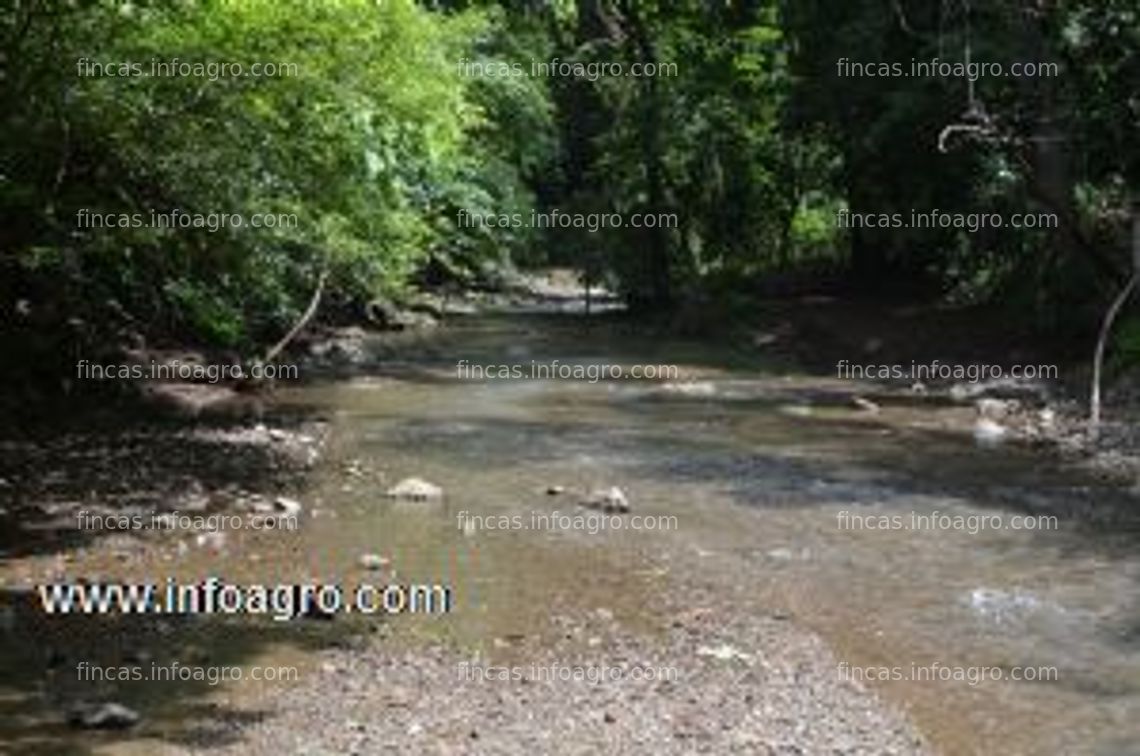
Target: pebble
287	506
374	561
723	652
415	489
106	716
611	499
194	503
995	408
696	388
261	506
989	433
212	540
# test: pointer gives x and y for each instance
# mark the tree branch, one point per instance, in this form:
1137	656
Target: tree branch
301	323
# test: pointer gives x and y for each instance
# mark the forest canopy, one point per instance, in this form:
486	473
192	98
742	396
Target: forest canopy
196	167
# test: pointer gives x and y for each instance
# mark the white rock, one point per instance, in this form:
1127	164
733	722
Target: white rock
864	404
212	540
989	433
193	503
695	388
261	506
373	561
724	652
287	506
960	392
415	489
107	716
610	499
1002	605
995	408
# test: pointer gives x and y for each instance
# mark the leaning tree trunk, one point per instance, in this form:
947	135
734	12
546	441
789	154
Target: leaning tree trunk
306	316
1109	318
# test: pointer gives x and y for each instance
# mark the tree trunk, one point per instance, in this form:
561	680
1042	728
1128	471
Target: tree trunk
1050	161
1106	326
655	241
311	310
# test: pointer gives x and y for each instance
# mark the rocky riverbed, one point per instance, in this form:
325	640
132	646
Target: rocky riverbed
739	625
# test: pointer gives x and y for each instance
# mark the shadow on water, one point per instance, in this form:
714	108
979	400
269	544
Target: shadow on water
116	467
794	465
42	680
114	464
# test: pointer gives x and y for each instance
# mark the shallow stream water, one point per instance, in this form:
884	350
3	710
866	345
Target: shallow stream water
756	460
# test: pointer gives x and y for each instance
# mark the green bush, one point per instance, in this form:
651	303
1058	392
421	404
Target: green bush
362	145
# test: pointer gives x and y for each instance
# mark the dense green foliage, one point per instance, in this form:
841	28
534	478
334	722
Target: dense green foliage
387	125
361	144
